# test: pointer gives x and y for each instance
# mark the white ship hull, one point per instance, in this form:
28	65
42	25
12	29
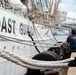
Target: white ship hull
15	27
26	37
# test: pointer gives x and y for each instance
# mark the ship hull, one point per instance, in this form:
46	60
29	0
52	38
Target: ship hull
14	38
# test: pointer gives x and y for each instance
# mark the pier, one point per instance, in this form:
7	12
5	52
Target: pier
72	70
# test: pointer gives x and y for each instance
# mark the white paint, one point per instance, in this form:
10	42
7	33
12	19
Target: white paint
18	4
18	21
7	67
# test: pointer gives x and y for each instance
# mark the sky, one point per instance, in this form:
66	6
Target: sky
69	6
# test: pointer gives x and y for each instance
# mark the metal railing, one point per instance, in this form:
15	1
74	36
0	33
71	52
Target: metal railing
15	8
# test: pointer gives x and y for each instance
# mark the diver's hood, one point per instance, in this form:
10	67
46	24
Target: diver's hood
73	31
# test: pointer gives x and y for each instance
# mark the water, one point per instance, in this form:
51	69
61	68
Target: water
61	38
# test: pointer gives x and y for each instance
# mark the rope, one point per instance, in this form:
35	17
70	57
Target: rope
46	4
20	42
31	63
53	35
33	42
36	32
39	36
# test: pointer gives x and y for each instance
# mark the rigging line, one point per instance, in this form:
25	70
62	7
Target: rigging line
63	32
52	32
61	35
17	46
19	39
21	43
54	26
1	39
53	35
39	35
52	39
46	3
33	42
36	34
60	24
41	5
49	36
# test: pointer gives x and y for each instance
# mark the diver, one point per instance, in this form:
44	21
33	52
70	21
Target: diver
70	44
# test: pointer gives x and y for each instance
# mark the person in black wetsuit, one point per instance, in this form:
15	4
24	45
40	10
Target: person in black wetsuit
70	44
71	40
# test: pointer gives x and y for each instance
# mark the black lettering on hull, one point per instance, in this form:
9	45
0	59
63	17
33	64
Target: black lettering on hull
8	25
4	26
23	29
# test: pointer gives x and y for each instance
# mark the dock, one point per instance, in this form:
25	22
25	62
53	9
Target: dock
72	70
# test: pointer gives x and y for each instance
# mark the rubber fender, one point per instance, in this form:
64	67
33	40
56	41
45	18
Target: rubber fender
46	56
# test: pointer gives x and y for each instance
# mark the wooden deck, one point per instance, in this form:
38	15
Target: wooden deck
72	70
